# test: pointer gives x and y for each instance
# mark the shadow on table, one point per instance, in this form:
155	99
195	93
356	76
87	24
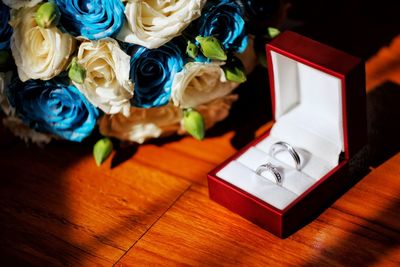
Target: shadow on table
363	246
384	142
367	244
34	204
58	209
383	105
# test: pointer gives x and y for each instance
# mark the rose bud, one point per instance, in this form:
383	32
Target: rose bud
48	15
193	123
211	48
192	50
102	150
235	71
273	32
76	72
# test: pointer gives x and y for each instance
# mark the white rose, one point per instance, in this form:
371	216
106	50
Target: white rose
5	79
153	23
200	83
216	110
20	129
38	53
107	83
142	124
16	4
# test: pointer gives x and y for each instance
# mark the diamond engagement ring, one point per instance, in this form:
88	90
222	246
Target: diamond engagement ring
283	146
272	169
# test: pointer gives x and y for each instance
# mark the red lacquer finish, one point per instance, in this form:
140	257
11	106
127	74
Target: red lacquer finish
350	70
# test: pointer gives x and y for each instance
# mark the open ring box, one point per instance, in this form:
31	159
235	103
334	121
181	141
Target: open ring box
318	100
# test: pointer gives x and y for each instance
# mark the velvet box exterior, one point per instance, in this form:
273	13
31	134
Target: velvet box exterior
288	53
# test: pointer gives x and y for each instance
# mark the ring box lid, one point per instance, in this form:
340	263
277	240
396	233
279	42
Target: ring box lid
318	96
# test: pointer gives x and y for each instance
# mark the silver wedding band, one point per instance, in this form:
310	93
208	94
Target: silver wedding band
272	169
283	146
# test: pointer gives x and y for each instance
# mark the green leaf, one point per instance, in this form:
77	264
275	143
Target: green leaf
76	72
48	15
192	50
273	32
235	71
211	48
102	150
193	123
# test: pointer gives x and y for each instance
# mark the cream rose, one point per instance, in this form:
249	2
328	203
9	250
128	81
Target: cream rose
142	124
107	83
153	23
216	110
200	83
38	53
16	4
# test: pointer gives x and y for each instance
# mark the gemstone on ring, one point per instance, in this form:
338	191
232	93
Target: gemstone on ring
272	169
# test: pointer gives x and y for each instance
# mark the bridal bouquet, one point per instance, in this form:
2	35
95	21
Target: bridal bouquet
135	69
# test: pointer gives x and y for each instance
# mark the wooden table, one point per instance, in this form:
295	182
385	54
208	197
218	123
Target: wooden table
58	208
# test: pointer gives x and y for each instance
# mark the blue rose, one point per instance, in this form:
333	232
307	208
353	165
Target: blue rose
152	72
93	19
53	107
5	28
224	20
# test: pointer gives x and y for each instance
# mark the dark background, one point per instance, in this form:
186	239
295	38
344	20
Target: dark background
358	27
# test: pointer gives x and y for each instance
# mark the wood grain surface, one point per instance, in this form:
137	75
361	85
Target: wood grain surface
360	228
59	209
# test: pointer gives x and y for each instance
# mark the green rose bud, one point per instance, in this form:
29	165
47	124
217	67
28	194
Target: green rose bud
211	48
102	150
273	32
4	58
234	71
47	15
192	50
76	72
193	123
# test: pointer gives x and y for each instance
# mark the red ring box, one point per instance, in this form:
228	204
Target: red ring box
319	106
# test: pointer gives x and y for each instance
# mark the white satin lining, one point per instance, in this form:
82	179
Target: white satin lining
308	113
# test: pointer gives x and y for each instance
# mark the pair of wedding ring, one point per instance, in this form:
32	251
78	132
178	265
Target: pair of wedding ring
269	167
